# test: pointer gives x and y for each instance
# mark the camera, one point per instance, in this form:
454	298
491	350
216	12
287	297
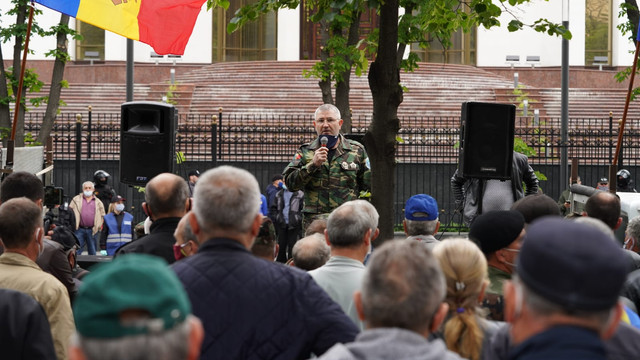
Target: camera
53	196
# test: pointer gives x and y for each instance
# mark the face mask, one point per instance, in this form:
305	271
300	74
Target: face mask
331	140
603	187
88	193
178	251
119	207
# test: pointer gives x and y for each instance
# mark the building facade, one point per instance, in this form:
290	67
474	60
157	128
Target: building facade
289	35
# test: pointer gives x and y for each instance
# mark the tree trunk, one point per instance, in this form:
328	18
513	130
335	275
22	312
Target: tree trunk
5	110
633	15
17	51
343	87
380	139
56	84
325	84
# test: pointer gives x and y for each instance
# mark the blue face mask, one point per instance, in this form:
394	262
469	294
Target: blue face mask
331	140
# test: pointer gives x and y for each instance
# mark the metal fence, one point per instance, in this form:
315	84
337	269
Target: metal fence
427	153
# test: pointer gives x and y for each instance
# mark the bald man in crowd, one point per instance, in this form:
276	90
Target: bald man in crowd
166	202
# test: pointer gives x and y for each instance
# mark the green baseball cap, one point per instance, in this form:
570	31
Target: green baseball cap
134	294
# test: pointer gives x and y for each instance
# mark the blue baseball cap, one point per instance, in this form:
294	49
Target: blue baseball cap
421	207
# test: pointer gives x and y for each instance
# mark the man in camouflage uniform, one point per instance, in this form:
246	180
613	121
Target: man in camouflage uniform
331	173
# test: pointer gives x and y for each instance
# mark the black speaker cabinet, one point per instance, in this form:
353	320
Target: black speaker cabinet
487	140
147	140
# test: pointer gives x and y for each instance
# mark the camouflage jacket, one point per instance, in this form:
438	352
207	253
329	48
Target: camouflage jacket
335	182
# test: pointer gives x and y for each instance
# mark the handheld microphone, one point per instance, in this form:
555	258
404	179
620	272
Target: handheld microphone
323	141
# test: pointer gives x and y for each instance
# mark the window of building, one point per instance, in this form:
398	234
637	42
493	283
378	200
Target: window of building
462	50
597	31
91	47
256	40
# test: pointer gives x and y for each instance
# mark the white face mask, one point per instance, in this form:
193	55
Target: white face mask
88	193
119	207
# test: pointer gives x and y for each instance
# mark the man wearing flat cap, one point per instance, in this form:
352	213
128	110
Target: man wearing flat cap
563	299
499	235
134	308
421	219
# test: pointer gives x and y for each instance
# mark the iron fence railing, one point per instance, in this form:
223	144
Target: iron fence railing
427	150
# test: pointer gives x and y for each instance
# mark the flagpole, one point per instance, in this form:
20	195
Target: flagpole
614	162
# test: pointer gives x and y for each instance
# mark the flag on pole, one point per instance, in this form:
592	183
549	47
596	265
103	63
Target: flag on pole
166	25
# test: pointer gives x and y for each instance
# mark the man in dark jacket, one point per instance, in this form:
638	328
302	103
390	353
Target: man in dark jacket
554	313
25	332
475	196
251	308
167	200
287	208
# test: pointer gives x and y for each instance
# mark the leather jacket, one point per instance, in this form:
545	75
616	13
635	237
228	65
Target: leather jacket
468	192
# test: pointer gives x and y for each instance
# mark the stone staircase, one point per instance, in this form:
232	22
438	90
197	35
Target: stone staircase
278	88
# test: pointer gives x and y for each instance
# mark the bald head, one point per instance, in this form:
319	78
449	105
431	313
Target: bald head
604	206
167	195
310	252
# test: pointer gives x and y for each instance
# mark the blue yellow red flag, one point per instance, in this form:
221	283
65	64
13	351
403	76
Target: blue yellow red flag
166	25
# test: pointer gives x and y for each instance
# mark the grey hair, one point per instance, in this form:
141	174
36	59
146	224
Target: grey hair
348	223
371	211
633	228
542	307
187	232
417	227
168	345
226	198
310	252
327	107
403	286
89	183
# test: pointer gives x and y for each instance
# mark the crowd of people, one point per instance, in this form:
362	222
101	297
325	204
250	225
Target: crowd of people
215	276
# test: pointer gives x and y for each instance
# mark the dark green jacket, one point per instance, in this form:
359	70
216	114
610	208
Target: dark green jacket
335	182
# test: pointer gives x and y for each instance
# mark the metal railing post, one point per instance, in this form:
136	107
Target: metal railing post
78	149
89	134
214	141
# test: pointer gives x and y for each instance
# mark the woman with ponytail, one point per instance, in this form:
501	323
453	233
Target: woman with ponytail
465	329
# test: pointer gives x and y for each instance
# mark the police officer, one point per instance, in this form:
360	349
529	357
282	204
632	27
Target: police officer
104	192
624	183
331	170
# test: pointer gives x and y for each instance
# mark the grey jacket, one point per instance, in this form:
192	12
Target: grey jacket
390	344
468	192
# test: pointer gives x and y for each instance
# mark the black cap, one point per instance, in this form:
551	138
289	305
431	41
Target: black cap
495	230
571	265
603	180
193	173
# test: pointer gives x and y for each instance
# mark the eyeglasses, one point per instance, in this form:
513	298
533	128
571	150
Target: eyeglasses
326	120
